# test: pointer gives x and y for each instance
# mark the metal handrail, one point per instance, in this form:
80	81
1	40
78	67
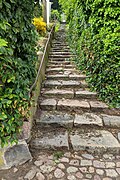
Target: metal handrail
41	61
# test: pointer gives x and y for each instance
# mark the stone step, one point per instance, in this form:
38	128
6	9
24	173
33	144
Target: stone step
92	140
59	59
63	119
56	119
62	70
58	93
59	53
59	50
60	46
95	141
65	93
59	62
65	84
60	56
51	139
81	105
80	94
73	105
66	77
61	66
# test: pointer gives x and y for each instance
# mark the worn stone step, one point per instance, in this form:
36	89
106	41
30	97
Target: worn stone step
61	66
59	45
111	121
92	140
88	119
57	77
58	93
73	105
59	62
64	84
80	94
64	119
79	105
59	59
66	93
95	141
60	50
59	53
98	106
58	70
51	139
60	56
56	119
66	77
68	105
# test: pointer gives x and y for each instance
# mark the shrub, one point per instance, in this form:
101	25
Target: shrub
94	34
40	25
55	15
17	65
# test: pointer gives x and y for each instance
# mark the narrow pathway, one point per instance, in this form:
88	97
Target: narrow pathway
69	116
75	135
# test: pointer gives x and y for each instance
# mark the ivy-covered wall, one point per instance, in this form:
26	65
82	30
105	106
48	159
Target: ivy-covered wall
94	35
17	65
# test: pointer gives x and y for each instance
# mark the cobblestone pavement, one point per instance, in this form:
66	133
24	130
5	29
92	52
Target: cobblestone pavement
66	166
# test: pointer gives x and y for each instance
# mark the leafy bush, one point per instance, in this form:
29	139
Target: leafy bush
17	65
55	15
94	34
37	9
40	25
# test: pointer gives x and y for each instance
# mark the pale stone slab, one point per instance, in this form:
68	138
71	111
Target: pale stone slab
59	93
60	66
60	56
98	106
14	155
69	104
85	94
54	69
94	141
59	62
60	53
87	119
61	83
57	76
59	59
77	76
111	121
48	104
52	139
56	118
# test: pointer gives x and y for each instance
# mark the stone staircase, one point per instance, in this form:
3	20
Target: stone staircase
69	116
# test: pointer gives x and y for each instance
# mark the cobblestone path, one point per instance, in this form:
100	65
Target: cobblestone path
75	136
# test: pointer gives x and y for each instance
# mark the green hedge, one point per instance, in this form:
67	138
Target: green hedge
17	65
94	35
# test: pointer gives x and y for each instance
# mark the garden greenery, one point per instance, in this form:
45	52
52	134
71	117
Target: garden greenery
94	35
17	65
40	25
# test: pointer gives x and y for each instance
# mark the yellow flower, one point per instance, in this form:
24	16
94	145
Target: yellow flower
40	25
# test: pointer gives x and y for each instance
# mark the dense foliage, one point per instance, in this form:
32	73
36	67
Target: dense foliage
94	35
55	15
37	9
17	65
